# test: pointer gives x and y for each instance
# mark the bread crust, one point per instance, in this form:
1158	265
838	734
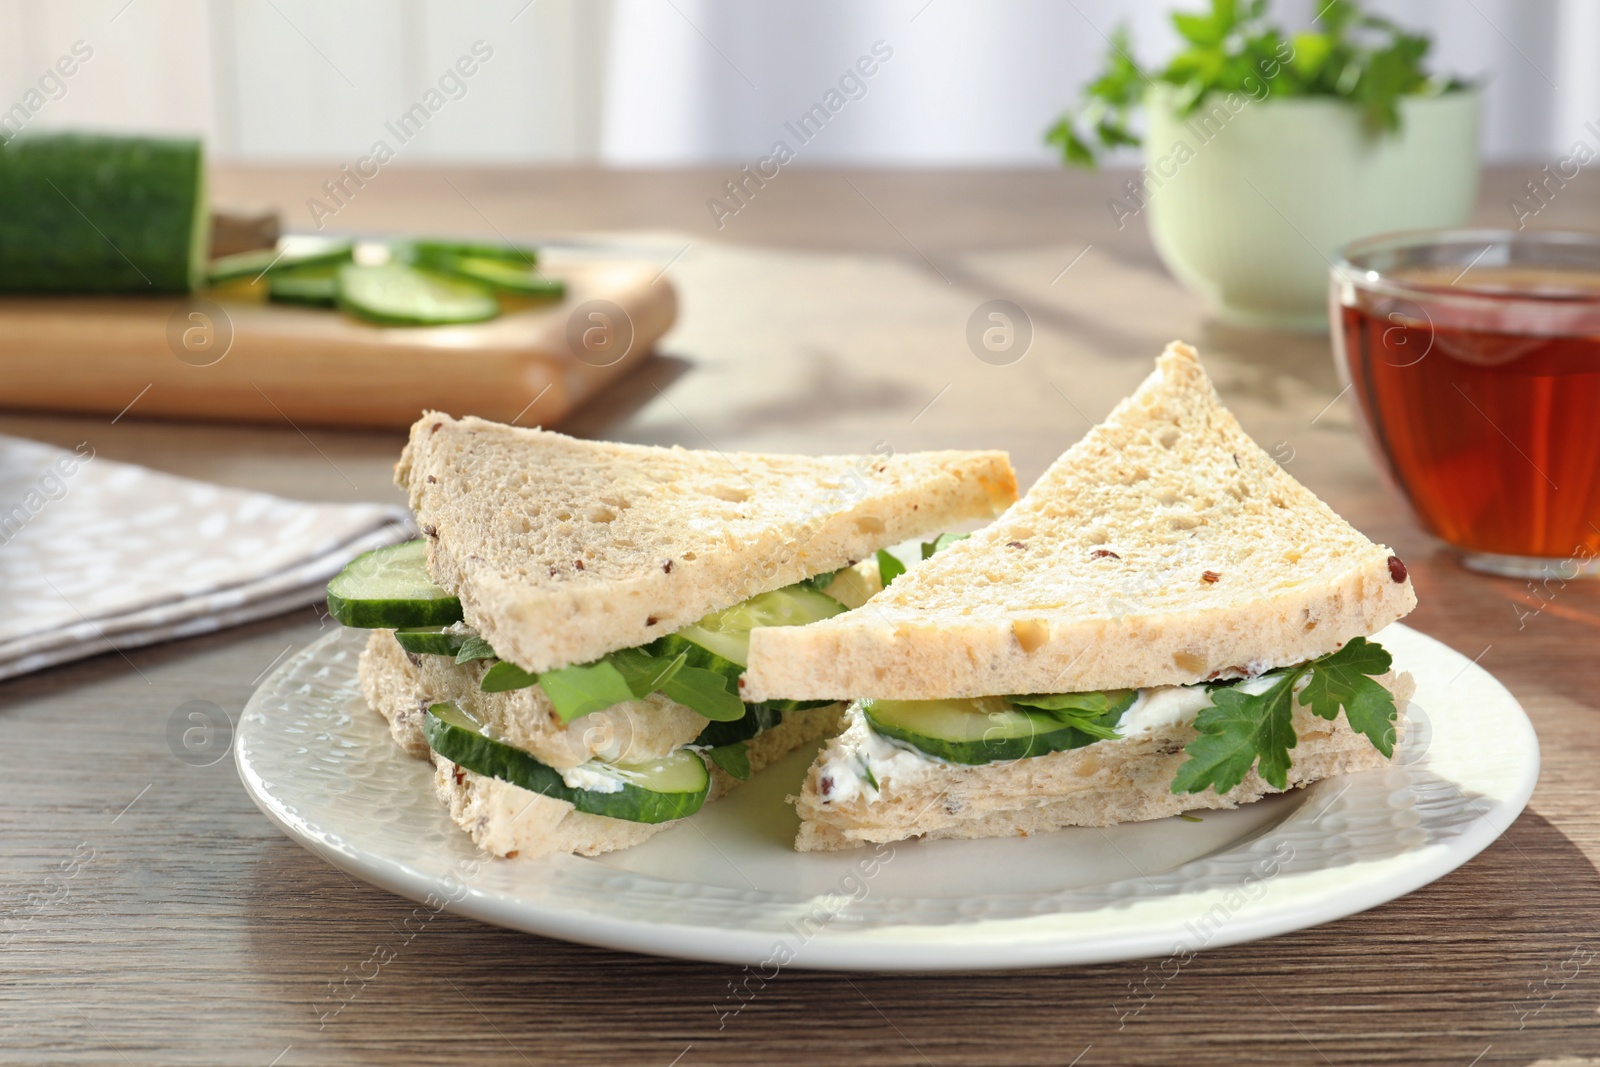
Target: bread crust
562	550
1164	548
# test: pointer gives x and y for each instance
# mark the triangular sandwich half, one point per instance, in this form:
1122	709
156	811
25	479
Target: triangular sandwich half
1150	630
565	641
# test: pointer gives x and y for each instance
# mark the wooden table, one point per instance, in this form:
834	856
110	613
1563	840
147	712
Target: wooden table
196	933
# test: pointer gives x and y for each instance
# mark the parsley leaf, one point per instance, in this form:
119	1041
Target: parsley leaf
1342	680
734	758
1243	730
889	567
1237	730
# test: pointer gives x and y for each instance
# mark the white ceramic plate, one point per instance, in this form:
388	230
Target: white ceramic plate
727	886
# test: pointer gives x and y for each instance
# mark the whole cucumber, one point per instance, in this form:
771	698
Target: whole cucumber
95	213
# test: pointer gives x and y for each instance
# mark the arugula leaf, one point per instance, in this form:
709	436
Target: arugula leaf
1342	680
1095	702
820	582
943	541
579	690
473	648
644	672
1094	713
889	566
734	758
504	676
707	692
1238	730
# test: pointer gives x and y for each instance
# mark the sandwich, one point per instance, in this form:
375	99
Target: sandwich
565	641
1167	621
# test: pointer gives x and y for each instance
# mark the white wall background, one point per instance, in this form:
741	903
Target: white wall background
678	82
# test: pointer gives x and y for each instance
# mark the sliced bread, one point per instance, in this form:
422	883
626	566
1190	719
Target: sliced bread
1127	780
562	550
1164	548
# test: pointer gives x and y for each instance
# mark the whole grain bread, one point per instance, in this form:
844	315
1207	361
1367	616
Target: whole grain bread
508	820
1109	782
562	550
1164	548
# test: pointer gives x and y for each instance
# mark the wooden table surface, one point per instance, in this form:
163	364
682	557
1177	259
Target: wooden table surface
827	314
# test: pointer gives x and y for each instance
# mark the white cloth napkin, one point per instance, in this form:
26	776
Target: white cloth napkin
98	556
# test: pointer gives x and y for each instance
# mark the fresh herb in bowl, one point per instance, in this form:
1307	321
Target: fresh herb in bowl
1351	55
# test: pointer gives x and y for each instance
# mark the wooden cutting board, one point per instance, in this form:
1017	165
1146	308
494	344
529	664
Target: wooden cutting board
238	359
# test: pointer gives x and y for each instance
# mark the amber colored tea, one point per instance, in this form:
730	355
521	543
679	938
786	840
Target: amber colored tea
1488	418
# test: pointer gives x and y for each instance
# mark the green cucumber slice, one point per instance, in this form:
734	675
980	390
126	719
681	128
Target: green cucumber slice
427	248
311	286
651	792
274	261
394	294
726	633
986	729
497	274
431	640
389	587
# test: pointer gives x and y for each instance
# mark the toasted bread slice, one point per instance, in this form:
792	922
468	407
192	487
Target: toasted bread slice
508	820
1164	548
562	550
1109	782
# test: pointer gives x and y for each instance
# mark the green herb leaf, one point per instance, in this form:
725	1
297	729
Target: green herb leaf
889	566
1365	59
1093	713
734	758
820	582
644	672
473	648
1345	679
868	777
580	690
1236	732
942	542
711	694
504	676
1242	730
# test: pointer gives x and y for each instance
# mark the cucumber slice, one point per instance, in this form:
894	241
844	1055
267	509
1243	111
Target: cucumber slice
726	633
273	261
652	792
426	248
431	640
312	286
390	587
397	295
498	274
983	729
